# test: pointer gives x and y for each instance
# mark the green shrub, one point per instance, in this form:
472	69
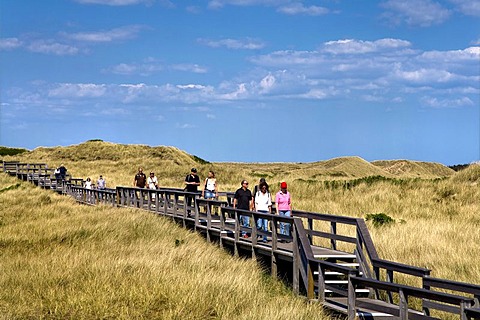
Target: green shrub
379	219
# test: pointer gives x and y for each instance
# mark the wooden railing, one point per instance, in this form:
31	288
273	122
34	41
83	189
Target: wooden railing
218	219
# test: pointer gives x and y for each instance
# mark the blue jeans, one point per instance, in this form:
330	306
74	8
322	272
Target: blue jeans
262	224
245	222
285	227
209	194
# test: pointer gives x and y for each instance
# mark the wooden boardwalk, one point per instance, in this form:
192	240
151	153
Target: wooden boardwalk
329	259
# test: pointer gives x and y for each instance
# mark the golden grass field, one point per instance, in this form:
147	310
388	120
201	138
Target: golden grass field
61	260
437	214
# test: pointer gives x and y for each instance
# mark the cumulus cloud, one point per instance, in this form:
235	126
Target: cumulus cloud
195	68
115	2
248	43
116	34
78	90
215	4
300	8
10	43
52	47
468	7
422	13
435	102
352	46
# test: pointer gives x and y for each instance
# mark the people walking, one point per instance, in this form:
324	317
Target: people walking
192	181
152	181
88	183
101	183
140	179
284	207
210	188
263	204
243	200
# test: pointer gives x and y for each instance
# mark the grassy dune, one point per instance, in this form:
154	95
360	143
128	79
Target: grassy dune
60	260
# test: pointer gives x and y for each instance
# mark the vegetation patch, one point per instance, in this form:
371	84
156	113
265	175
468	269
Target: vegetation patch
379	219
200	160
6	151
13	187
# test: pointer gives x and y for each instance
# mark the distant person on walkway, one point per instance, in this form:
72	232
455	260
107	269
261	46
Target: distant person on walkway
101	183
243	200
63	172
284	207
210	188
57	174
192	181
152	181
88	183
140	179
263	204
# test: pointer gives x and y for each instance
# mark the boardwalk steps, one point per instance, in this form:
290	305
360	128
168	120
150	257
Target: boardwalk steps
347	277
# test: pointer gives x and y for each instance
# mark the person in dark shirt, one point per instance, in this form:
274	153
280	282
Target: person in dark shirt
192	181
63	172
140	179
243	200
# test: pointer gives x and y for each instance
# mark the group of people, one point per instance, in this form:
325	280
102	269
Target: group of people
101	183
261	201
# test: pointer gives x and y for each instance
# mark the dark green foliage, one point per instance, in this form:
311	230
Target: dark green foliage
379	219
95	140
459	167
6	151
13	187
200	160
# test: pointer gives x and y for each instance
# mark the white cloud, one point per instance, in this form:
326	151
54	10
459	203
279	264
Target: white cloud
52	47
211	116
239	93
267	83
299	8
447	103
351	46
115	2
10	43
185	126
422	13
215	4
191	86
116	34
195	68
468	7
78	90
248	43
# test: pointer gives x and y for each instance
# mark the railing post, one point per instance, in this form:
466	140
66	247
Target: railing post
237	234
296	262
403	305
273	264
351	299
321	283
333	230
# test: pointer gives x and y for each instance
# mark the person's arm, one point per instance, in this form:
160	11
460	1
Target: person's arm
216	189
204	187
234	203
135	181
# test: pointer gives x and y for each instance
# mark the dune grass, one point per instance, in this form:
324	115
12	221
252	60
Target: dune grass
436	211
60	260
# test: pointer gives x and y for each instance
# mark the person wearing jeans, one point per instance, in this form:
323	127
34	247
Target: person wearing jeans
284	207
263	204
243	200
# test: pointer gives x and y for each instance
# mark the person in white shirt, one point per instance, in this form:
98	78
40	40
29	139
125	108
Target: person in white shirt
263	204
88	184
210	188
152	181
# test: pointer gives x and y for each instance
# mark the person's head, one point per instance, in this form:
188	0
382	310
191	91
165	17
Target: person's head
211	174
140	170
262	180
88	179
152	174
244	184
283	186
263	187
193	171
101	177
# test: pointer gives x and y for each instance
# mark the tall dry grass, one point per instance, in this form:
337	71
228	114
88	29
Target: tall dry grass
437	212
60	260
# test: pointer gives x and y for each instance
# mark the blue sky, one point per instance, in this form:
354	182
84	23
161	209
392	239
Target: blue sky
246	80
